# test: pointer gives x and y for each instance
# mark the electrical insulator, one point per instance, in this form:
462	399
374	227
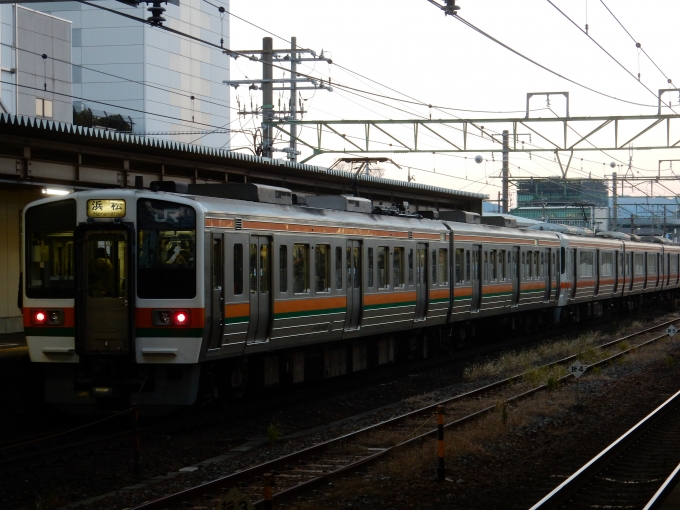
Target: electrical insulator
156	11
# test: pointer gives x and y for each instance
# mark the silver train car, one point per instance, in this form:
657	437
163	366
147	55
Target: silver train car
186	293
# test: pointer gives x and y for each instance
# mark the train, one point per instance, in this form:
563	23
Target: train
185	293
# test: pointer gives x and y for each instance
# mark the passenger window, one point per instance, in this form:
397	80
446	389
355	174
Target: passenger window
486	266
586	263
322	266
467	266
501	264
492	263
283	268
370	268
398	267
300	268
443	268
459	275
524	269
338	268
238	269
382	267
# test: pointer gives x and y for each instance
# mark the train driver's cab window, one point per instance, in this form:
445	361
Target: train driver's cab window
383	254
166	250
283	268
322	266
300	268
459	275
443	266
639	263
398	268
586	263
338	267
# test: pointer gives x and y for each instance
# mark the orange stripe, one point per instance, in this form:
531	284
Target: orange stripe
532	286
498	288
302	305
219	222
143	318
462	291
69	317
288	227
420	235
395	297
236	310
439	294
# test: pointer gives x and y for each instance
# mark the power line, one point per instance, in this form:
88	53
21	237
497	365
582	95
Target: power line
480	31
608	54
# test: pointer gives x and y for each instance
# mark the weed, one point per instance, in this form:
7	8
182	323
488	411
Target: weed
670	361
552	383
273	432
536	376
623	345
597	369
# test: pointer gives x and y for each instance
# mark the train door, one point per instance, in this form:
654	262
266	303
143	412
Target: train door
259	278
354	284
515	275
421	282
574	273
476	277
216	291
547	272
630	270
103	310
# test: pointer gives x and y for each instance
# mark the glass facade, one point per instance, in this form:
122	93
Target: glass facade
147	75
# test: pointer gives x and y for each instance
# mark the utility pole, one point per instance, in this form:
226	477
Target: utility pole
292	155
268	85
615	210
506	151
267	96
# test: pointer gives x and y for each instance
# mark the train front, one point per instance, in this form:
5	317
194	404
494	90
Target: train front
112	304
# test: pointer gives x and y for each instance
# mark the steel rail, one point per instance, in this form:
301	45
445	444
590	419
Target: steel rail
280	463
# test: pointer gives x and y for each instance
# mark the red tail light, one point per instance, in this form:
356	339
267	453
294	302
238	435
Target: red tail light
39	317
181	318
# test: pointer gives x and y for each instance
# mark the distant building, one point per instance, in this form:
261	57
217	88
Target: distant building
130	76
32	85
573	202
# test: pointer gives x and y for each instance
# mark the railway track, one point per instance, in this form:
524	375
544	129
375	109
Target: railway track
637	471
299	472
51	446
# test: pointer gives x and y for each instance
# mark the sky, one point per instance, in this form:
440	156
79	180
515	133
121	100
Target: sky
408	49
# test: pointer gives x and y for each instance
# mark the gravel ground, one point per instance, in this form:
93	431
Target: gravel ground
512	471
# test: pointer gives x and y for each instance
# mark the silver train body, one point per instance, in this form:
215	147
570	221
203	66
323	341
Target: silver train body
161	298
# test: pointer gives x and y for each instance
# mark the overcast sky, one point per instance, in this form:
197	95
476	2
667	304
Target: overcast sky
412	48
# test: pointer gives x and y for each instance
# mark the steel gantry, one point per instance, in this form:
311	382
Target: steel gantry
527	134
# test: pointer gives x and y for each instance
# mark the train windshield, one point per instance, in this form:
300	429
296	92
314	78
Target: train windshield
49	250
166	256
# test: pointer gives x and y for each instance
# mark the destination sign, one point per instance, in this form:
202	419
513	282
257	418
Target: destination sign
105	208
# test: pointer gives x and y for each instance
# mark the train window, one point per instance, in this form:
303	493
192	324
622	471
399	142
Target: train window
383	282
536	268
322	266
283	268
217	263
300	268
238	269
443	268
501	265
467	266
524	272
49	250
338	267
370	268
586	263
356	257
639	263
264	268
410	267
485	267
398	267
458	266
493	260
166	250
252	275
562	262
651	263
434	267
607	264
